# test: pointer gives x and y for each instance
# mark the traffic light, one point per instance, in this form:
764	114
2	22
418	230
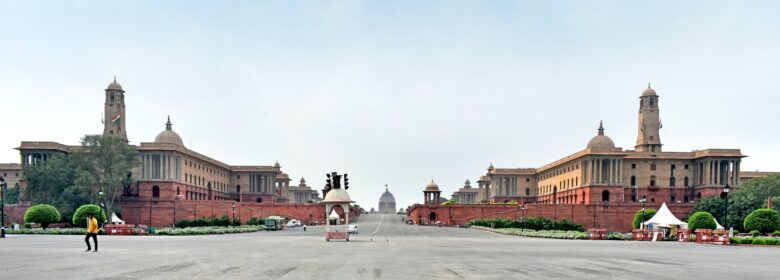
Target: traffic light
346	182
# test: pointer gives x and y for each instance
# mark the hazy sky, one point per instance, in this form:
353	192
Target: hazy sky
394	92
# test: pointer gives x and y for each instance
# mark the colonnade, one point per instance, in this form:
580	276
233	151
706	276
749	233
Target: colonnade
719	172
605	171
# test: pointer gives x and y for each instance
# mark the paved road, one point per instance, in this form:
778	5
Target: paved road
393	251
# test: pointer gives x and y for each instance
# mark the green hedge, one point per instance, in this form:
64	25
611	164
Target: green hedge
53	231
755	233
557	234
42	214
763	220
255	221
207	230
759	241
648	213
532	223
81	215
701	220
212	221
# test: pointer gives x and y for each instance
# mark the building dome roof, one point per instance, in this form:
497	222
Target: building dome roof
277	165
648	91
387	196
114	85
168	136
432	186
601	140
337	195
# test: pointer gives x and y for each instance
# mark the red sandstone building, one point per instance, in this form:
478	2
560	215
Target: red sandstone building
600	178
173	181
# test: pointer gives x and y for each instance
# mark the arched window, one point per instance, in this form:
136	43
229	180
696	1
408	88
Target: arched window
259	200
633	180
672	182
685	182
605	196
177	191
238	188
156	192
527	191
652	181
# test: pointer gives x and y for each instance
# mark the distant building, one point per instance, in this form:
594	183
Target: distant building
387	202
12	173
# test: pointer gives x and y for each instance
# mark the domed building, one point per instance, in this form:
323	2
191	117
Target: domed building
387	202
168	136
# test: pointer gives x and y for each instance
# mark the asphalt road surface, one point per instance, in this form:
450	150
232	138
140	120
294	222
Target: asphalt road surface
385	248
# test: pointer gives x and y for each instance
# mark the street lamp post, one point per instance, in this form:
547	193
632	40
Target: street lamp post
726	213
643	200
2	207
233	221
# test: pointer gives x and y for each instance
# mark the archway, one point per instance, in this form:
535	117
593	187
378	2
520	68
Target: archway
605	196
155	191
259	200
432	217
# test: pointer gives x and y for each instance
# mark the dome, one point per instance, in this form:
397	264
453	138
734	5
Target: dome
114	85
276	165
168	136
648	91
337	195
601	141
432	186
387	196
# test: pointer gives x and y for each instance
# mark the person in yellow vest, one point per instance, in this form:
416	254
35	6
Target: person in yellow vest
92	231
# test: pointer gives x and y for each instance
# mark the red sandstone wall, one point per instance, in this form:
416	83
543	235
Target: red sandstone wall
162	211
613	217
15	213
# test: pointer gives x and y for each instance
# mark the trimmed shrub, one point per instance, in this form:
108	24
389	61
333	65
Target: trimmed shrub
735	240
42	214
648	213
759	241
212	221
255	221
763	220
776	233
532	223
755	233
81	215
771	241
701	220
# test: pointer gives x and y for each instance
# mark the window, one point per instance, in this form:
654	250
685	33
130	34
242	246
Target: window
672	182
633	180
652	199
155	192
633	166
652	102
652	166
605	196
674	199
674	167
685	181
686	167
527	180
652	181
527	191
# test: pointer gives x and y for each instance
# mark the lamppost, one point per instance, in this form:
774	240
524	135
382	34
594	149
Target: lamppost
233	221
102	205
2	207
726	202
523	208
643	200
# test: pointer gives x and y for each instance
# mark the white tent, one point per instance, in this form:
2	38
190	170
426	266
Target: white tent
334	217
665	218
116	219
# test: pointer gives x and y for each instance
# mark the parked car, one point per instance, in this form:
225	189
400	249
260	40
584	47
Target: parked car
293	223
353	229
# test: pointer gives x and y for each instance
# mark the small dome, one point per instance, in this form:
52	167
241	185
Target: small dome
467	184
601	141
648	91
432	186
337	195
168	136
114	85
276	165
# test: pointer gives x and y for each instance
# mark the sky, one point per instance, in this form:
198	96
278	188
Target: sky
394	92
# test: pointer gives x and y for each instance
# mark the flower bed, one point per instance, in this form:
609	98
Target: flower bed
56	231
207	230
557	234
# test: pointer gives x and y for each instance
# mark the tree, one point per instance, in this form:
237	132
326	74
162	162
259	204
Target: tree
775	203
648	213
80	216
713	205
763	220
46	180
749	196
103	164
42	214
702	220
12	195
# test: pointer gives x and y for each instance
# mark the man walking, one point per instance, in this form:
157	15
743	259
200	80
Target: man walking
304	228
92	231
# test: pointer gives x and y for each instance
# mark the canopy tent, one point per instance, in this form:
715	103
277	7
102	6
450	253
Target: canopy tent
665	218
116	219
